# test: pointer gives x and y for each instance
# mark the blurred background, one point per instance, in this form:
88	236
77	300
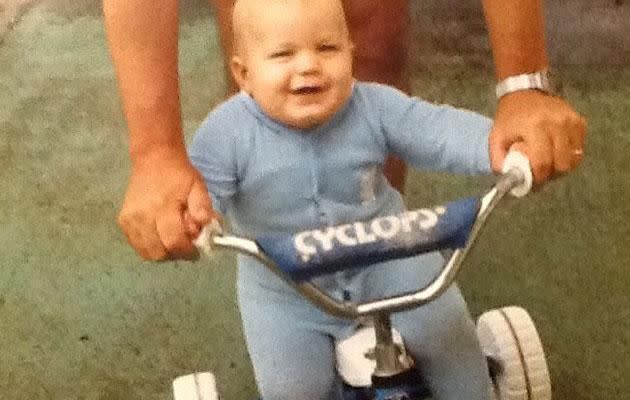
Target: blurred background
81	317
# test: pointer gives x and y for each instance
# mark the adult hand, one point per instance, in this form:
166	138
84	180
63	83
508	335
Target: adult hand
546	129
165	207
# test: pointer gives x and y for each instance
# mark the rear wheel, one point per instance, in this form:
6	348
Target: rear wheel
197	386
510	340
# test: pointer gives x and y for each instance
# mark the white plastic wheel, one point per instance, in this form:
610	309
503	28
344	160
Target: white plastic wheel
508	335
197	386
354	366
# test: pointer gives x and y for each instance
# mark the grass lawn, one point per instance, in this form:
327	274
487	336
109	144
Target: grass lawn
82	318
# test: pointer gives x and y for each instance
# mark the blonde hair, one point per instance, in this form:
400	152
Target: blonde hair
245	11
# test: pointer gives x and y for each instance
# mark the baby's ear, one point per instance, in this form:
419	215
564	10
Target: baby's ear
240	73
351	46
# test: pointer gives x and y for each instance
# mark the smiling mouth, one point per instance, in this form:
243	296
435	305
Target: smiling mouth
307	90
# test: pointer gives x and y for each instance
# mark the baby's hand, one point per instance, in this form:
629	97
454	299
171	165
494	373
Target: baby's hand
203	242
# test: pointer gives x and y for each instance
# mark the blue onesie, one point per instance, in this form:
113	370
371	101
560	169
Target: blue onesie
266	177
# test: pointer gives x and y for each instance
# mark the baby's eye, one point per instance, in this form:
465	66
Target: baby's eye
280	54
328	47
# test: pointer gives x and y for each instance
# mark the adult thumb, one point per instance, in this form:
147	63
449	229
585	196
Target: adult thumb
499	145
199	203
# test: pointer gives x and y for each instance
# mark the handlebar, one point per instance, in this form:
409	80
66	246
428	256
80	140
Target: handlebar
516	179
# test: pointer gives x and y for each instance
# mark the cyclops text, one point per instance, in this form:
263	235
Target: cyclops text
308	243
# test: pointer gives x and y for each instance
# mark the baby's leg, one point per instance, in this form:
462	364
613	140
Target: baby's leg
442	338
440	335
292	357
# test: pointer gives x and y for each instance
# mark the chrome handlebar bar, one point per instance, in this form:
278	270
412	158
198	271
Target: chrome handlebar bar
507	182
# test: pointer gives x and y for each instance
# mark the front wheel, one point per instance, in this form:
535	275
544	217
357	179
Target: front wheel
511	343
197	386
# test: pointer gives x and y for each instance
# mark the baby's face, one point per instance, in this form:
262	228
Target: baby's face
296	61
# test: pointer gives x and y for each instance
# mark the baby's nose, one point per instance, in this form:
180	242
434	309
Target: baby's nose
307	62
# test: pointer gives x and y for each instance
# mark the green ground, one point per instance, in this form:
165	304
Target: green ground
82	318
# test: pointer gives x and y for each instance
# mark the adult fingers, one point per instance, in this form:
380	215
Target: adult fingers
199	204
541	157
578	139
568	141
173	233
563	157
499	143
142	236
192	227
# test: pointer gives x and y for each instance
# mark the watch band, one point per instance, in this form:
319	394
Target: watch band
539	80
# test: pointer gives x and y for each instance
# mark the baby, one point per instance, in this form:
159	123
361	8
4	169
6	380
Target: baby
303	146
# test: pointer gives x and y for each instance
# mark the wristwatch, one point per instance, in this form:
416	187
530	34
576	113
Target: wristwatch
544	80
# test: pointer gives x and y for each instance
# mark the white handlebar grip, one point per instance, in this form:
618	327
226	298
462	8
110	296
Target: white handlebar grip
203	242
516	159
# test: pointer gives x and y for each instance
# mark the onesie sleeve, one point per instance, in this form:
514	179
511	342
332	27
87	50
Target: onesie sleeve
433	137
213	153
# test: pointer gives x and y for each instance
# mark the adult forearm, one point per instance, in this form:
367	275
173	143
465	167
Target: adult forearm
143	37
517	35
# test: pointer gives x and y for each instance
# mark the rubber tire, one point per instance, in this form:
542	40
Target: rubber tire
509	336
197	386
